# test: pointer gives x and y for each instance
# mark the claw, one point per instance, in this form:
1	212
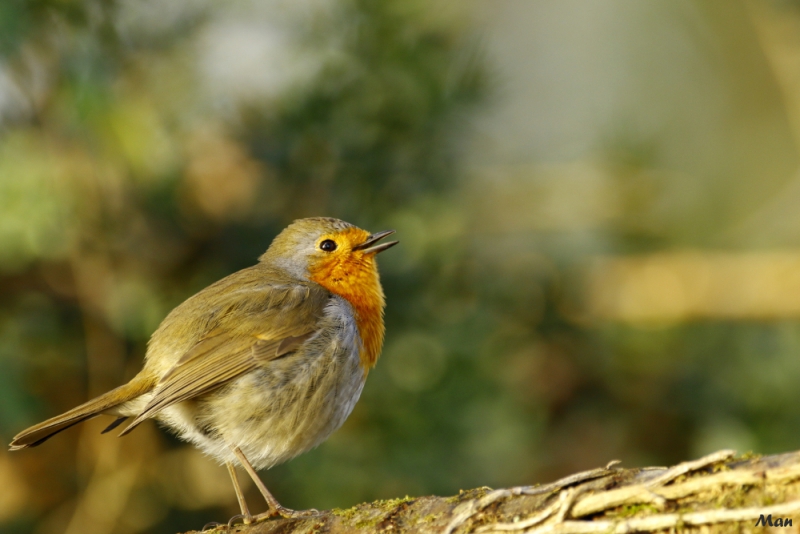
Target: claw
245	520
286	513
230	524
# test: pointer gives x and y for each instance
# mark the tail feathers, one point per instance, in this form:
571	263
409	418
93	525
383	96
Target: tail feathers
118	421
38	434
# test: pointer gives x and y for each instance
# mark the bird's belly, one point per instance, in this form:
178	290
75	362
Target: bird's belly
276	412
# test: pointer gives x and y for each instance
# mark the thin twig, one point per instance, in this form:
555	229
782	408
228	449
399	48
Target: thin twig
646	493
686	467
666	521
465	511
526	523
583	476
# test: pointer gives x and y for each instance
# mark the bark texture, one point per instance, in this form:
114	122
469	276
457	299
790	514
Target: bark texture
717	493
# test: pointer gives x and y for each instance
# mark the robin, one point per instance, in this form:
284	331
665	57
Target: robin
264	364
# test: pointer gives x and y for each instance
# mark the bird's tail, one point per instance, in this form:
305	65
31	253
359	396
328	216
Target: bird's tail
38	434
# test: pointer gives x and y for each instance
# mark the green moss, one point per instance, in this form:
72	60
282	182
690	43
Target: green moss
391	503
733	499
369	515
369	522
768	500
720	468
358	518
635	509
465	495
346	514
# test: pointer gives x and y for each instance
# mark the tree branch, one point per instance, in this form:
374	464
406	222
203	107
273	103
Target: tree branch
716	493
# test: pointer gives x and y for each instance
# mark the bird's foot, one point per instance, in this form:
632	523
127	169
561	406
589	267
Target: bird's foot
246	520
286	513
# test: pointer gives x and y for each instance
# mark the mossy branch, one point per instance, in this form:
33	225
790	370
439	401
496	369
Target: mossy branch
717	493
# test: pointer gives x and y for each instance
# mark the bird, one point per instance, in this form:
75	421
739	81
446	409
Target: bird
263	364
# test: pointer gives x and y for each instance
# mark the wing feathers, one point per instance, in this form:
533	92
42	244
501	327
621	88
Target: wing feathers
287	345
219	360
290	317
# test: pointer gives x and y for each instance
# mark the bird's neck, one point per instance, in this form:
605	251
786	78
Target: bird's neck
358	283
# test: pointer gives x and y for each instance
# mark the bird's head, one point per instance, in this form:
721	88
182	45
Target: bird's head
328	251
341	258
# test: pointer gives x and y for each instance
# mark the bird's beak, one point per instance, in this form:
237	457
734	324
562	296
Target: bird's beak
369	246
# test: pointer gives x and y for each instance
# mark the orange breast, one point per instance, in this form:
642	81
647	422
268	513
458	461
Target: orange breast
356	280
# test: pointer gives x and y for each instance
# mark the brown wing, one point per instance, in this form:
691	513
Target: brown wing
223	354
212	363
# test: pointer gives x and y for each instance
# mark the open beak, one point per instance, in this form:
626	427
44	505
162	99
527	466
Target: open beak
370	247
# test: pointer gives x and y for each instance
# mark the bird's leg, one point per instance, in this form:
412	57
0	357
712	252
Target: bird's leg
276	509
248	518
272	502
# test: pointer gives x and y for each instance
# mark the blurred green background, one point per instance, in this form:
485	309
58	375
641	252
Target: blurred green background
597	204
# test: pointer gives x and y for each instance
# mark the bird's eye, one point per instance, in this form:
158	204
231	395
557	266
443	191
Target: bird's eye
328	245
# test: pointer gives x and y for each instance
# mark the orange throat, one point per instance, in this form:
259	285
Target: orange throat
356	280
